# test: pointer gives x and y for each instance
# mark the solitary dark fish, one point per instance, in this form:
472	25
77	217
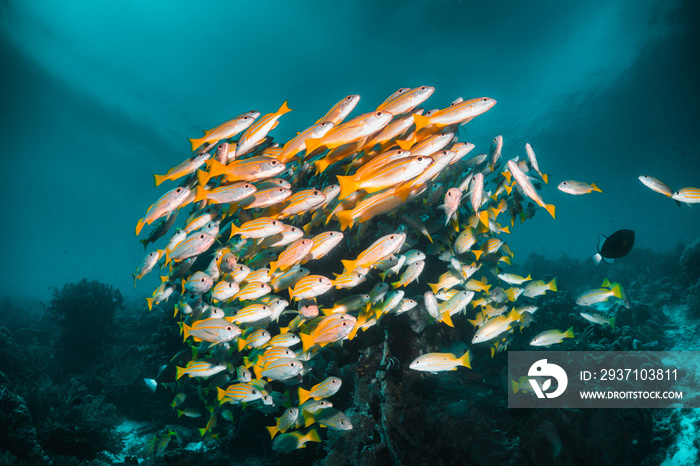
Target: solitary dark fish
617	245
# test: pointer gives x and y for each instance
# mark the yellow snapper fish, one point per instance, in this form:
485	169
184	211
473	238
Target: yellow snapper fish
284	238
198	283
161	293
374	205
599	295
353	130
456	114
494	327
265	197
227	129
532	158
291	441
348	280
258	130
341	110
288	278
252	169
167	203
513	279
298	144
453	196
238	393
325	389
392	174
380	249
687	195
147	265
577	187
292	255
199	368
527	186
257	338
330	418
438	362
287	420
285	340
225	194
322	244
551	337
405	99
302	202
330	329
310	287
185	168
279	369
539	287
252	313
410	275
213	330
259	228
194	245
495	151
598	319
656	185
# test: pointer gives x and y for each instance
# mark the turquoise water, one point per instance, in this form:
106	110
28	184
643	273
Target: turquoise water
97	98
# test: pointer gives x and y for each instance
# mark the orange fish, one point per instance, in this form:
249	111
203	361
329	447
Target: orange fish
291	256
357	128
380	249
227	129
257	131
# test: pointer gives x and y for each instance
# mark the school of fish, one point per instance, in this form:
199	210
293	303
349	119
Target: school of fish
375	199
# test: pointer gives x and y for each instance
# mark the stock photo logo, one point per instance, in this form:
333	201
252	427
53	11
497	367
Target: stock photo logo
544	371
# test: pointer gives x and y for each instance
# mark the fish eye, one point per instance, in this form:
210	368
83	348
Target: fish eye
344	324
254	392
274	223
419	159
320	280
202	280
422	88
274	162
400	91
246	186
484	99
348	98
378	114
342	422
292	364
201	236
229	328
392	237
178	190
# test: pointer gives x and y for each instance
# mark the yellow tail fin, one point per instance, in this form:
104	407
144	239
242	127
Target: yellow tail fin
550	209
307	341
345	219
303	395
420	121
465	360
196	142
159	179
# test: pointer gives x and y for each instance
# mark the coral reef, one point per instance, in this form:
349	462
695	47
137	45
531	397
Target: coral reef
84	313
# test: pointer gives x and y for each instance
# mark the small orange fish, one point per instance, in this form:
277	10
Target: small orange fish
258	130
227	129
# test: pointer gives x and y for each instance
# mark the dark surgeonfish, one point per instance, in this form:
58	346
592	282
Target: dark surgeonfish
617	245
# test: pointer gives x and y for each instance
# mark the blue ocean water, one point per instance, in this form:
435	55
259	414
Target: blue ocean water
98	97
